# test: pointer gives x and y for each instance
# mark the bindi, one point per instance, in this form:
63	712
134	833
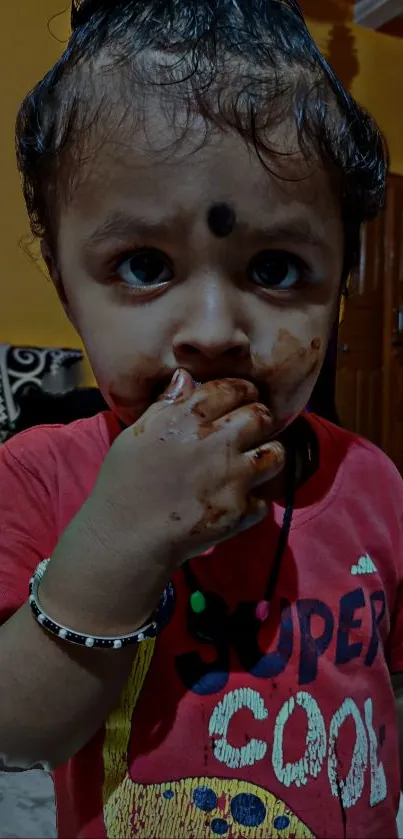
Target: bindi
221	220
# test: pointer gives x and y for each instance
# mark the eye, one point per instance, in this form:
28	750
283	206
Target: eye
278	270
145	268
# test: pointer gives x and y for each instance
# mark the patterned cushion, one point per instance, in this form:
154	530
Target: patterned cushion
52	369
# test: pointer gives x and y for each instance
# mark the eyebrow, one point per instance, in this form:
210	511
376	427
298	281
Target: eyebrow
122	227
299	231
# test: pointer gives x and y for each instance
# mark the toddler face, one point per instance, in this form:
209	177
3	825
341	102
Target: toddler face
152	285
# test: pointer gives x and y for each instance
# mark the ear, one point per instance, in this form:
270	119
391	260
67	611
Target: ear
56	278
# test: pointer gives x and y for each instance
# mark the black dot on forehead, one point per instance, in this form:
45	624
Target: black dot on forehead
221	220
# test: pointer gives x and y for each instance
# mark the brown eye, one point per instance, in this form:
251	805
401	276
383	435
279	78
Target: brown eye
277	270
145	268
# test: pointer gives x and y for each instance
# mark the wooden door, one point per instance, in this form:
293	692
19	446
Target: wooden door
360	352
392	419
369	391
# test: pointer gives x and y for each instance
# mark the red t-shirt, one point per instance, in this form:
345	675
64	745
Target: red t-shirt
286	731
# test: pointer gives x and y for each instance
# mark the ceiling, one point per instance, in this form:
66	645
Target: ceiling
394	27
383	15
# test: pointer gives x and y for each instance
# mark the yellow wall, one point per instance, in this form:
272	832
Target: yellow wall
378	85
29	312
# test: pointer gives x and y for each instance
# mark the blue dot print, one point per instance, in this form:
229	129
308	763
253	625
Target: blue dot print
168	794
281	822
219	827
205	799
248	810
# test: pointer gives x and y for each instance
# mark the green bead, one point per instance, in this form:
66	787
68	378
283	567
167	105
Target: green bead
198	602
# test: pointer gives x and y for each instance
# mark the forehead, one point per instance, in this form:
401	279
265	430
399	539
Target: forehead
158	166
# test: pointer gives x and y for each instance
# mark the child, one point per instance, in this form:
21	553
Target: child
210	649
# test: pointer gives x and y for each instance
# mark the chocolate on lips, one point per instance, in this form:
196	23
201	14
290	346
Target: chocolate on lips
160	386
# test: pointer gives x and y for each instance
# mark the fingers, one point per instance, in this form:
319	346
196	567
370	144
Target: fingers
213	400
248	426
181	386
264	463
256	511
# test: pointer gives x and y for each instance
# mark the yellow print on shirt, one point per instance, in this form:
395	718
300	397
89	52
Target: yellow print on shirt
191	807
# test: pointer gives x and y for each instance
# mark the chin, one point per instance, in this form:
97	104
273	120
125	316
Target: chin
127	414
281	427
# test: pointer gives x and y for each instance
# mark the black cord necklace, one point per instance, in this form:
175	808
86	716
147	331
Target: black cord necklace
207	611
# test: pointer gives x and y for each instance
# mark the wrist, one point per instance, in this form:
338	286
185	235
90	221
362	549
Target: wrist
92	640
90	612
97	591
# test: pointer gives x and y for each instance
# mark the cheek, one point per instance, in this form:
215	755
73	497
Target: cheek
129	391
294	361
291	373
124	352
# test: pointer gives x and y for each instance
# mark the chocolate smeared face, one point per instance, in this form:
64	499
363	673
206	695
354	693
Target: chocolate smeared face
152	283
221	220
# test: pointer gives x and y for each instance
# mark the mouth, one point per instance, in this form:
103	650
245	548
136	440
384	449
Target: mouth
160	386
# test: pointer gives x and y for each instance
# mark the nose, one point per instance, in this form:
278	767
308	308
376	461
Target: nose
213	327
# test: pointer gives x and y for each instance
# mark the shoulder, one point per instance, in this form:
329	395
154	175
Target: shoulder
46	474
356	449
365	468
56	465
48	447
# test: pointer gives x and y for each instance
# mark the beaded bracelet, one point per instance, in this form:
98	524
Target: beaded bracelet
81	639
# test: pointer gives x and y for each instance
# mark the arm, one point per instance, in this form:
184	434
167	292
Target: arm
53	698
112	562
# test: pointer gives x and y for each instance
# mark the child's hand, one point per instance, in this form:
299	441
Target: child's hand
172	485
181	479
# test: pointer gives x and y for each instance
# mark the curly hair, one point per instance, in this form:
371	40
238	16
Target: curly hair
243	65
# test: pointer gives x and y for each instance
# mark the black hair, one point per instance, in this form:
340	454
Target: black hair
242	64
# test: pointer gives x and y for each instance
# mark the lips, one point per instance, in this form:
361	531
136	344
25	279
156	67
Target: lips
159	387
